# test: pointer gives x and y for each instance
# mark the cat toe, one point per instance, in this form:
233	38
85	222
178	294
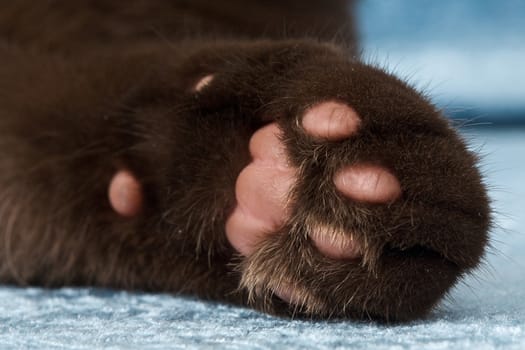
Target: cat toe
331	120
334	244
368	183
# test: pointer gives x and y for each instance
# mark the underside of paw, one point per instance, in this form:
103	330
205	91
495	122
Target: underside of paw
361	243
263	189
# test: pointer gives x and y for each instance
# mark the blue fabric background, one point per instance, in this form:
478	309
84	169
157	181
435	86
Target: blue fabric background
471	54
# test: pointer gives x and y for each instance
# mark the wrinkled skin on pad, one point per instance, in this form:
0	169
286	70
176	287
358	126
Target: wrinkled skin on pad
133	162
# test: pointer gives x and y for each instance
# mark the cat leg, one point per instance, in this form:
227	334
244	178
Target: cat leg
373	205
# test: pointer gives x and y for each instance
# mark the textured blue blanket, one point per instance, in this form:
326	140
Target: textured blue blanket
485	312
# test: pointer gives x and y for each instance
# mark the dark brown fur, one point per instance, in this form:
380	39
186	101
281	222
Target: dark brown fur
88	87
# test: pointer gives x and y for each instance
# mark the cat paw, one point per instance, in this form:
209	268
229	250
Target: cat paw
344	212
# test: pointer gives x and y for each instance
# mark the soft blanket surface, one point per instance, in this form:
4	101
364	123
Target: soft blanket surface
487	311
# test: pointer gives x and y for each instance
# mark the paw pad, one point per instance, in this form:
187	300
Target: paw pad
368	183
335	245
333	121
125	194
